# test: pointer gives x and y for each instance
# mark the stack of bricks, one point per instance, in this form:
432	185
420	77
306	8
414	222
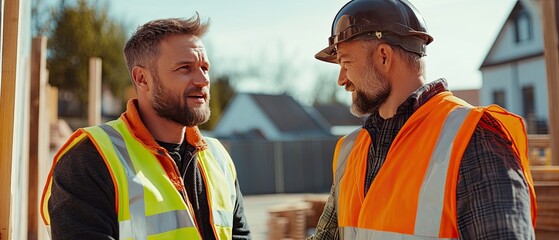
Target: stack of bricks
288	221
277	227
317	207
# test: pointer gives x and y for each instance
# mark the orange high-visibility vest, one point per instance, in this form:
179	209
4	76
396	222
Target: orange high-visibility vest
414	193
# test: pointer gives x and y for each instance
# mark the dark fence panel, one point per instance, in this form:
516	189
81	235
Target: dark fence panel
301	166
308	165
253	162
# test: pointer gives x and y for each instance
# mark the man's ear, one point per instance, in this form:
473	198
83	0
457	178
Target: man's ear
385	55
139	76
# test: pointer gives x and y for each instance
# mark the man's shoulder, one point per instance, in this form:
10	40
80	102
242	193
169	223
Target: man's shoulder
490	125
81	154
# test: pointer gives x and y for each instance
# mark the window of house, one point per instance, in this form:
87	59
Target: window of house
523	27
528	104
499	98
534	124
529	109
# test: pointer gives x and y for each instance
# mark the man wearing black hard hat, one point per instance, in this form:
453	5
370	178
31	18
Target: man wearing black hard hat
426	164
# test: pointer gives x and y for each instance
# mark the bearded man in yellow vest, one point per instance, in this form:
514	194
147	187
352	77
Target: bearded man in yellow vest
150	174
425	165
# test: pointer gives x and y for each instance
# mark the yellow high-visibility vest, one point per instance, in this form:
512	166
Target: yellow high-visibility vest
148	205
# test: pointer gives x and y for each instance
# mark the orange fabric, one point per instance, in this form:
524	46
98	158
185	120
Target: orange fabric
397	213
450	228
133	121
391	202
512	121
352	181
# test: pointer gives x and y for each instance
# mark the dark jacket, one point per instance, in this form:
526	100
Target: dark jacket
82	204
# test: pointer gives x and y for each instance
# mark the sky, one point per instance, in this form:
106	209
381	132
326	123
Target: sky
273	34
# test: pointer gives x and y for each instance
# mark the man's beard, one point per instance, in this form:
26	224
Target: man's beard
373	94
175	107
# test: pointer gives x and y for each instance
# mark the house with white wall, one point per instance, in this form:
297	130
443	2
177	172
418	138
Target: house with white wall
513	72
271	117
281	117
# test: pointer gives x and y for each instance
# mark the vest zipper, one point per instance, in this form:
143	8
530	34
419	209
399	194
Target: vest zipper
183	190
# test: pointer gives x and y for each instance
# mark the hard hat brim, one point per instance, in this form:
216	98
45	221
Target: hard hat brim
327	55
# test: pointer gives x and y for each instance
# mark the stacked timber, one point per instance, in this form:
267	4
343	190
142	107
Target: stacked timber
546	184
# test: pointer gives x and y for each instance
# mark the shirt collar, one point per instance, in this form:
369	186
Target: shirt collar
133	121
414	101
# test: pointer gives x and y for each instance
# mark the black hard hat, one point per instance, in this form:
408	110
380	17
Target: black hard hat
395	21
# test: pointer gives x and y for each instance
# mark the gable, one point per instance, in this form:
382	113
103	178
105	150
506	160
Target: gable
520	37
267	116
241	116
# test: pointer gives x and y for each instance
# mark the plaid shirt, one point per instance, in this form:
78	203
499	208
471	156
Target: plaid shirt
492	197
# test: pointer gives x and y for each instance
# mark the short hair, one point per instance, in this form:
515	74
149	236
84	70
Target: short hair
143	46
413	60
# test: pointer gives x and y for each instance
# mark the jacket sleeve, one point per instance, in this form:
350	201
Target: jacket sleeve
241	229
493	199
327	227
82	203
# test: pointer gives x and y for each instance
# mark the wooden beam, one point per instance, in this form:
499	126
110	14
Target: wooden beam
549	21
10	28
94	100
52	94
38	123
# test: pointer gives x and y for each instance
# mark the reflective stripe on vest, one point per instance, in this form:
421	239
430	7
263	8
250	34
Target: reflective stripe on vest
221	187
148	205
360	233
139	226
431	196
222	218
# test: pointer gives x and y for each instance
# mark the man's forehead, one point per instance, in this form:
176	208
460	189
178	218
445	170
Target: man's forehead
190	45
345	50
199	53
341	55
197	47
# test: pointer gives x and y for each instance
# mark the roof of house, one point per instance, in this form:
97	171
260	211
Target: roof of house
337	115
486	61
518	7
287	114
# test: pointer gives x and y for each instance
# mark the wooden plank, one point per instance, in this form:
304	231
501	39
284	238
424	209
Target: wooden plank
52	102
10	35
37	124
545	173
552	70
94	100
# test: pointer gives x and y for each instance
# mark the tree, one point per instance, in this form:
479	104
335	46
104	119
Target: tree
326	90
41	19
82	31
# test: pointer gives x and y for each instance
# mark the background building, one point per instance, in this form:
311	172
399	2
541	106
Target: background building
514	72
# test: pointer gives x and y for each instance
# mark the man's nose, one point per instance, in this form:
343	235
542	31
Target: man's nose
342	78
201	77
